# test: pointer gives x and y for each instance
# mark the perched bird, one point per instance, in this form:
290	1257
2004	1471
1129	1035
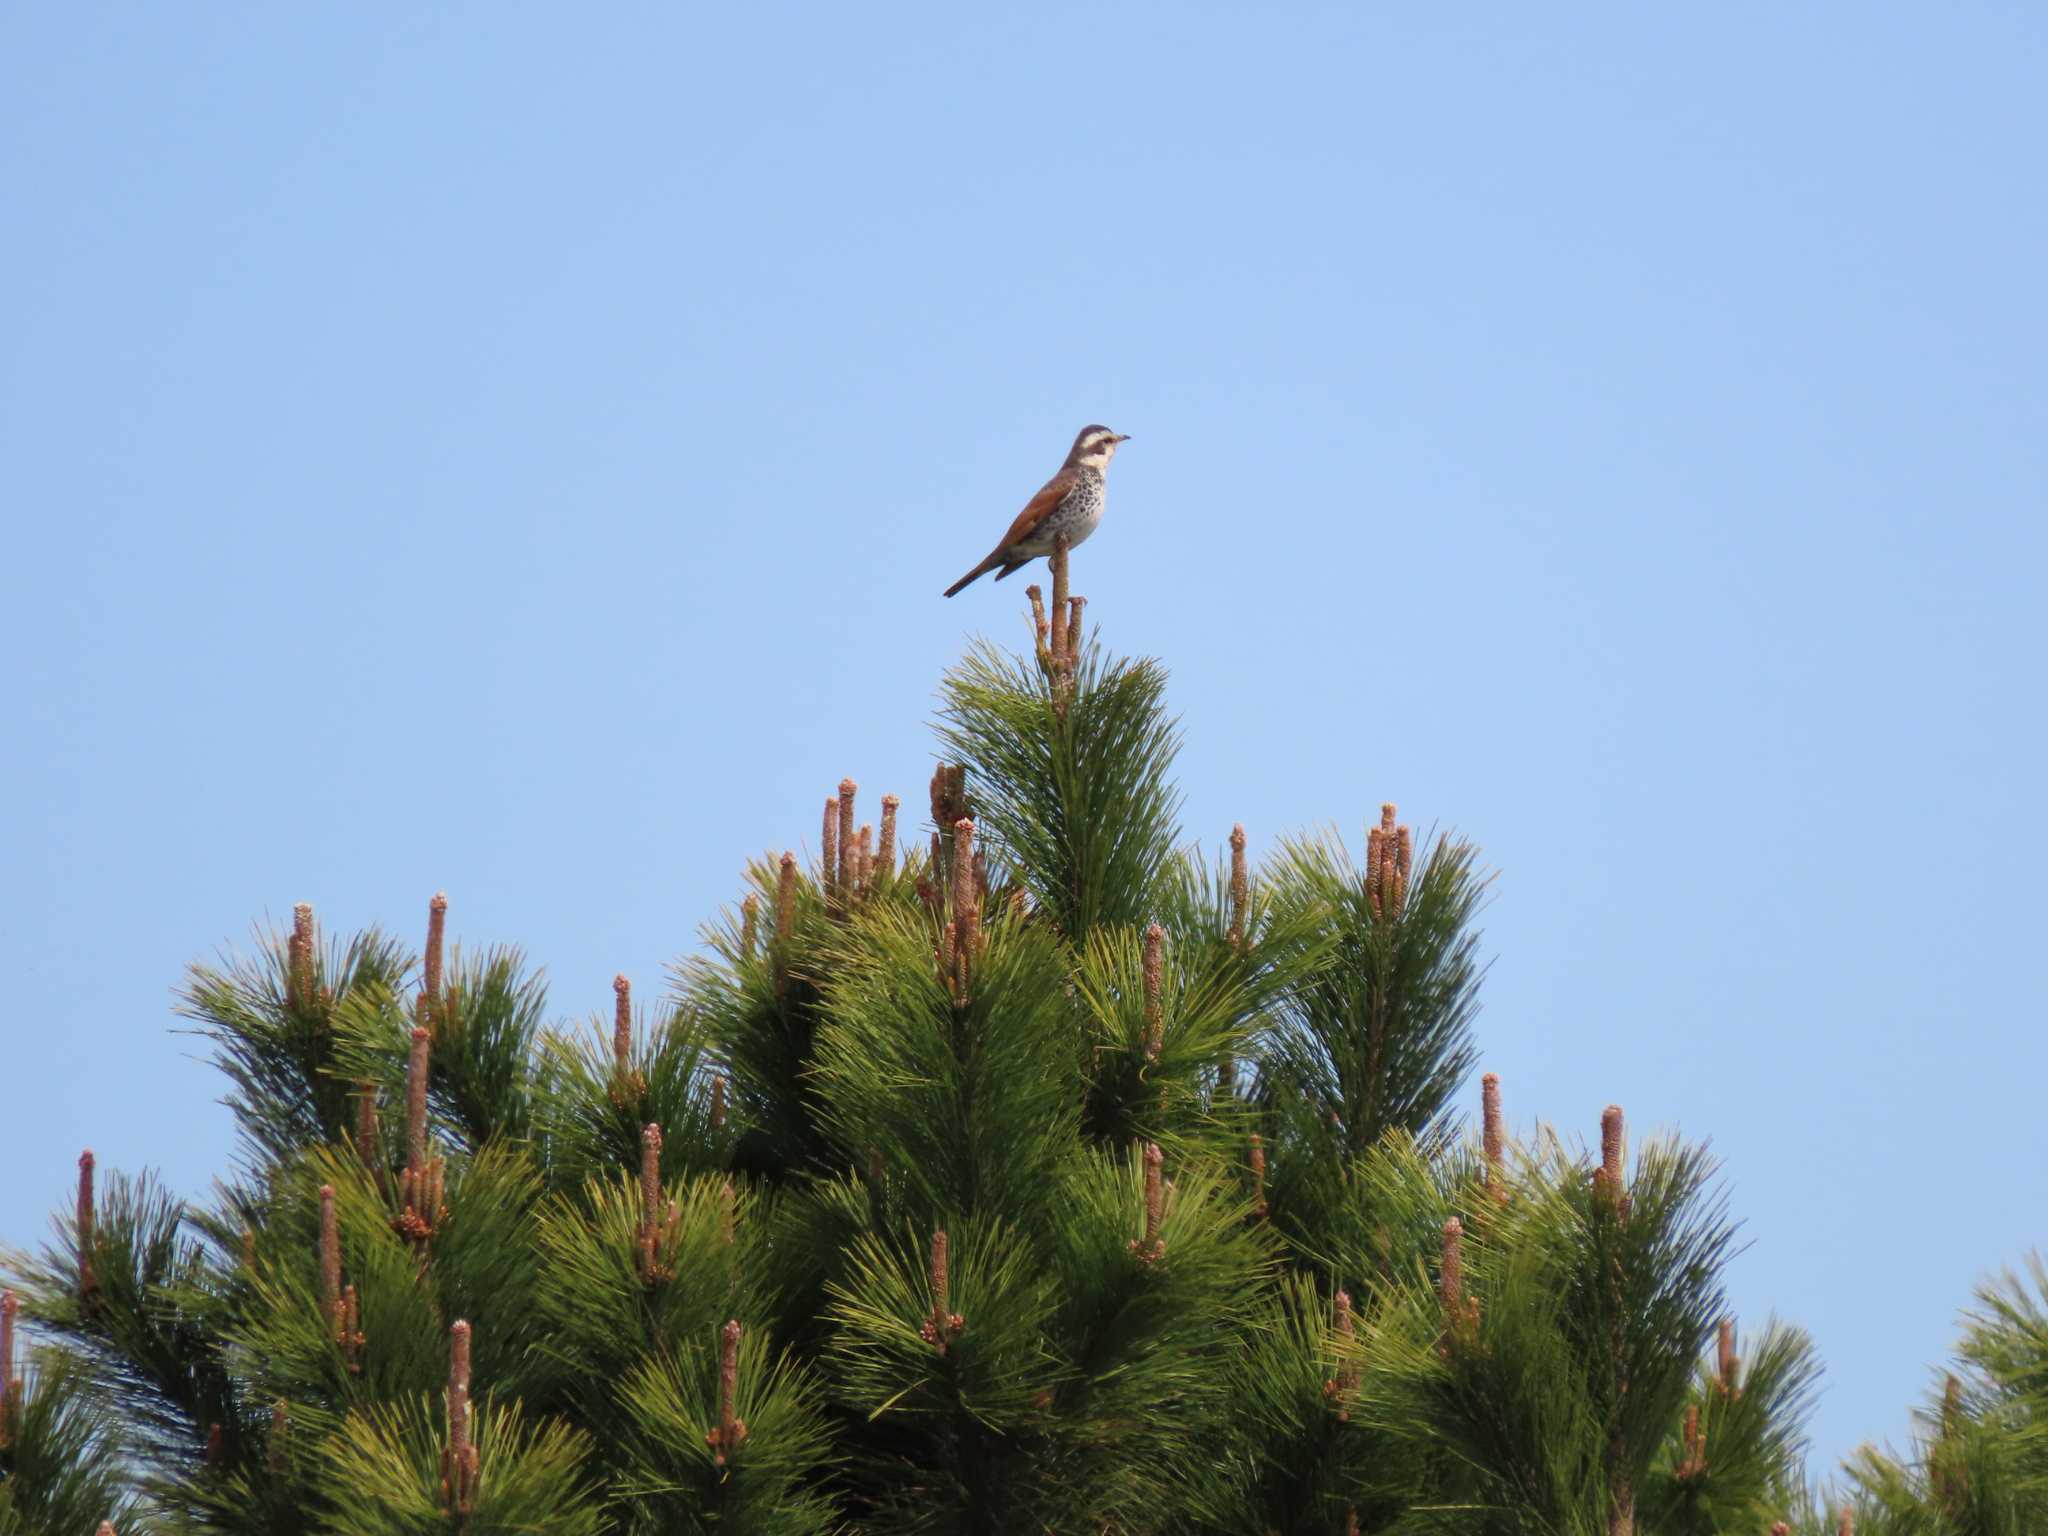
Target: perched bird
1069	503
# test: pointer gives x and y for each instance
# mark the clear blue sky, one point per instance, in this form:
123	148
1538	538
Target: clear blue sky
520	449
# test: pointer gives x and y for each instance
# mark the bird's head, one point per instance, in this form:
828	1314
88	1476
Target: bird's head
1096	446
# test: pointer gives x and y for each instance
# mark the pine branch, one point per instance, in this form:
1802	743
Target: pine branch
139	1329
1072	782
970	1104
64	1456
1378	1036
271	1018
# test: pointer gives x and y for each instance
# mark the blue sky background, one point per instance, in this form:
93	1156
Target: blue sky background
519	450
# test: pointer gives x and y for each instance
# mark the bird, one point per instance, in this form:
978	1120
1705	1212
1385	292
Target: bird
1069	503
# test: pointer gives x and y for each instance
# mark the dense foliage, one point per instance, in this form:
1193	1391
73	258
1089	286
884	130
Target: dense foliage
1047	1177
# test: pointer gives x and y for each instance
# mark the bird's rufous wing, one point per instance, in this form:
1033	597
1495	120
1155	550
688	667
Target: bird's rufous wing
1037	509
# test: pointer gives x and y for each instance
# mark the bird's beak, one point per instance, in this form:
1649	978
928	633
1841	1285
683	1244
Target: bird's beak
1123	437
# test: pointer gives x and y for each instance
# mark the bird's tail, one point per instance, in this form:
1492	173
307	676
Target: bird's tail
975	575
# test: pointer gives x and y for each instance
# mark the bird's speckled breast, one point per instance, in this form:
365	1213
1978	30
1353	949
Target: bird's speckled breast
1076	515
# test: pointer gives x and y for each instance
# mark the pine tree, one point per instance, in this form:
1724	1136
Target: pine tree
1050	1175
1980	1464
